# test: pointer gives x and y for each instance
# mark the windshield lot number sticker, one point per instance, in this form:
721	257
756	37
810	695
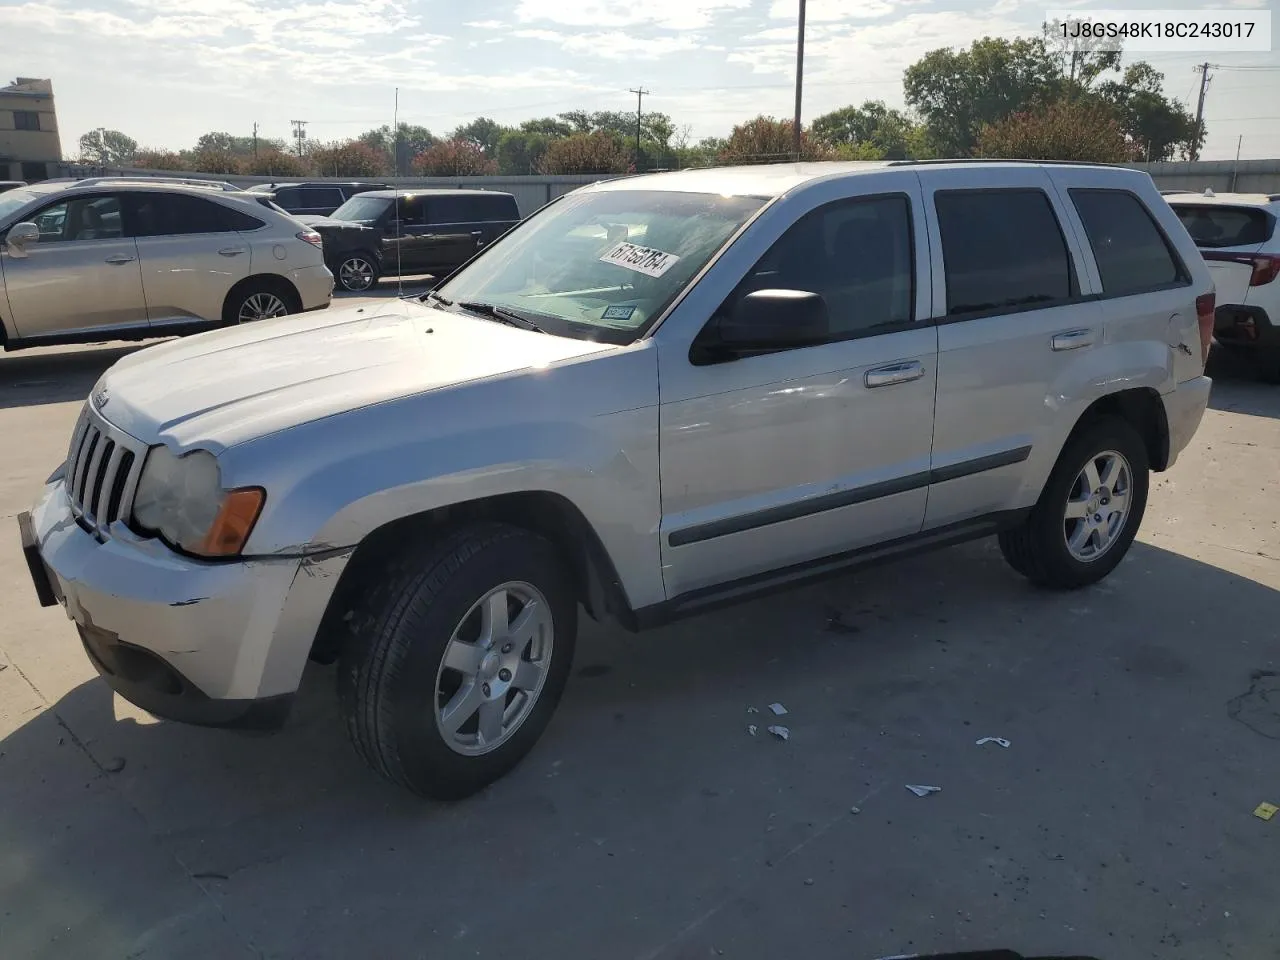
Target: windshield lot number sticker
618	312
646	260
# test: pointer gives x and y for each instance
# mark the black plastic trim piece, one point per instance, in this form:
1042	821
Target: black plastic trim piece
844	498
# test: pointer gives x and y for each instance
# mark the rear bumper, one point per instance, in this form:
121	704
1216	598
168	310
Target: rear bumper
1184	408
1240	325
315	286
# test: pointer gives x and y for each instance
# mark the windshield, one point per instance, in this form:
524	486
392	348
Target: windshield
11	201
603	265
362	209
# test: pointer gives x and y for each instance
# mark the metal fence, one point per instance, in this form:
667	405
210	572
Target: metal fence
1222	176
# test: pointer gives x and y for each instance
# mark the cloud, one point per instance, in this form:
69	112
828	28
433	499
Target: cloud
485	24
612	45
670	14
828	11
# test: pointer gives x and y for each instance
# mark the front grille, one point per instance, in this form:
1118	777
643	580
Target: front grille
103	466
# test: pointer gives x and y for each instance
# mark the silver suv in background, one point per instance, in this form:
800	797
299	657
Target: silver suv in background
655	395
120	259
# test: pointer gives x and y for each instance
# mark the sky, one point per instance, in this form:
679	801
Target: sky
166	71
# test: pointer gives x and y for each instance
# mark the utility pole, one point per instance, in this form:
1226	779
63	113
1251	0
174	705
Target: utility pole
255	140
796	131
1235	170
299	133
1203	70
639	92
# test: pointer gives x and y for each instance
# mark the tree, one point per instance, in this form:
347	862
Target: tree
349	158
108	148
585	153
548	126
214	160
886	133
766	140
482	131
158	160
399	150
520	153
957	92
1064	130
454	158
274	162
1159	126
1081	60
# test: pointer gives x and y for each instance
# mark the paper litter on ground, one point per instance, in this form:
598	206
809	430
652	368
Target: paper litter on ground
782	733
921	790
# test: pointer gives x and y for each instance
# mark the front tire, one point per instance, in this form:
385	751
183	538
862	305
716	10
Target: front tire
356	272
1089	511
457	659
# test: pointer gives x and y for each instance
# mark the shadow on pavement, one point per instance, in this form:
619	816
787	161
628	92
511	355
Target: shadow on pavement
1238	388
31	379
650	823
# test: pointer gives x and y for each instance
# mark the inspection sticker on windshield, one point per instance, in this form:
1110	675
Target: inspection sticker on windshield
646	260
618	312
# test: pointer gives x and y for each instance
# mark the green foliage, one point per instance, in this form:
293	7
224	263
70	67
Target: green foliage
351	158
454	158
1067	129
596	152
273	162
767	140
520	153
483	132
158	160
1157	125
878	132
109	148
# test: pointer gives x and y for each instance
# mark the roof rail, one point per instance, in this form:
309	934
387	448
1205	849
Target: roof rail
1273	197
1053	163
181	181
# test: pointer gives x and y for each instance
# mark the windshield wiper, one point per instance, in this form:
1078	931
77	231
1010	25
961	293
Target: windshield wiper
501	314
437	297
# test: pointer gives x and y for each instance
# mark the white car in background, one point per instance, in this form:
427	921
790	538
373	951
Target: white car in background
1237	236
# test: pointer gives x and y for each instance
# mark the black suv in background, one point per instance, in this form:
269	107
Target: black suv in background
11	184
318	199
388	232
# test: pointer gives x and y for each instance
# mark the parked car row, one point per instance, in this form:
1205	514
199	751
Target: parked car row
657	395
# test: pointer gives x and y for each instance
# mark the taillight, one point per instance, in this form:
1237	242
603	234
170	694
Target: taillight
311	237
1204	317
1266	267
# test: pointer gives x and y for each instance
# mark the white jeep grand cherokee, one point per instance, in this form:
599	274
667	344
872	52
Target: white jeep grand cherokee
657	394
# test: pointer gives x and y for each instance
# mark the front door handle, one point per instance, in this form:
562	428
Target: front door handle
120	258
1074	339
903	372
230	251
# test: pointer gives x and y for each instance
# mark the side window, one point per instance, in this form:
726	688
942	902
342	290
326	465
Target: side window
321	197
81	218
445	209
289	197
178	214
413	211
500	208
1132	254
856	254
1003	251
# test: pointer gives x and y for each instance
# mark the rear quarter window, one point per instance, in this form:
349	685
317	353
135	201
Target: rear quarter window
1132	253
1218	225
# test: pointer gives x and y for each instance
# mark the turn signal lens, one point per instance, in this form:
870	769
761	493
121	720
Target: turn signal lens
233	524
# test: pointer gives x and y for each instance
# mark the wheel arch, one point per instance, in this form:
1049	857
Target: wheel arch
1144	410
265	281
551	515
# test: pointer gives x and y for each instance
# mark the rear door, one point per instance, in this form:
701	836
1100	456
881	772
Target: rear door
320	201
1012	319
81	276
192	254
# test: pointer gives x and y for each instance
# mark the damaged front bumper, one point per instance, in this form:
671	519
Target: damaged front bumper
216	644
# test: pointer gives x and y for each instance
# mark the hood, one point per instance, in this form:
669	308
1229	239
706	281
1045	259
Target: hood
228	386
328	223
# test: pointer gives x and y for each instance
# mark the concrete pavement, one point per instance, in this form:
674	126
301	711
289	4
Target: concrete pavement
647	824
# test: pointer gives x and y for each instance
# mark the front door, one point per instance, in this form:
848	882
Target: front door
1014	314
81	276
771	461
406	237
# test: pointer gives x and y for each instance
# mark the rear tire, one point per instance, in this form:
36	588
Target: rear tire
260	299
1089	511
455	661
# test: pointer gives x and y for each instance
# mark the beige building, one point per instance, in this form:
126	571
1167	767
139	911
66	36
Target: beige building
29	146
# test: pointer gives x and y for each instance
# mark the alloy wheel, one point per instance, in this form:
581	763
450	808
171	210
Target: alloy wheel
262	306
1098	506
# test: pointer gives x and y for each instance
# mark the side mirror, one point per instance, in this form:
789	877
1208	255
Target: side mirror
767	321
20	235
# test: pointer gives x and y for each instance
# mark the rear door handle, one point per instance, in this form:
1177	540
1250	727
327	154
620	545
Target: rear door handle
120	258
1074	339
885	376
230	251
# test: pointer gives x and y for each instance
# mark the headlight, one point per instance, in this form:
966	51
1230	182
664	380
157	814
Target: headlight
181	499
